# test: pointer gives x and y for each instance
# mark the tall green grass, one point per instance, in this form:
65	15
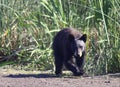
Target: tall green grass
27	28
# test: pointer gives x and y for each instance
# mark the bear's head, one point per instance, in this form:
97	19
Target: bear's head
78	45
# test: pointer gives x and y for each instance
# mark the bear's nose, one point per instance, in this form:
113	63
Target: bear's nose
79	52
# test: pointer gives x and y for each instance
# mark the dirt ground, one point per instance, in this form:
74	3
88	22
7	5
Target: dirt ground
13	78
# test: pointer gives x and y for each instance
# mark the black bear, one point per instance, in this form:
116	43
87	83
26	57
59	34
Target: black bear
69	50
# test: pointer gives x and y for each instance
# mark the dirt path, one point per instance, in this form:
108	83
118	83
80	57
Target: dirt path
35	79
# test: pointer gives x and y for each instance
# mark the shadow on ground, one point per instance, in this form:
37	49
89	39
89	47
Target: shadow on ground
31	75
41	76
51	76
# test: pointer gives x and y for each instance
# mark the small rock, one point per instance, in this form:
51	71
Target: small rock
107	81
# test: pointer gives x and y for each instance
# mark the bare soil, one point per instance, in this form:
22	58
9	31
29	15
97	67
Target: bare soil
13	78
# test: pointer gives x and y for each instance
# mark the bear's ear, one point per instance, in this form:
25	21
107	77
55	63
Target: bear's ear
71	37
83	37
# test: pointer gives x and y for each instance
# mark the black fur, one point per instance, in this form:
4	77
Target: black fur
68	45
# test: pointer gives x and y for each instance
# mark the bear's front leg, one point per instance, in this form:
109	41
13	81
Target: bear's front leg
58	66
80	63
73	67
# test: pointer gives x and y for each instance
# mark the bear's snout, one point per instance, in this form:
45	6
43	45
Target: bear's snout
78	53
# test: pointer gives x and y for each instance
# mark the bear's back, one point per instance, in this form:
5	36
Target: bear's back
61	40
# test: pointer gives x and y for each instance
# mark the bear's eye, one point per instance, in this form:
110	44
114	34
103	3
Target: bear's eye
80	47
